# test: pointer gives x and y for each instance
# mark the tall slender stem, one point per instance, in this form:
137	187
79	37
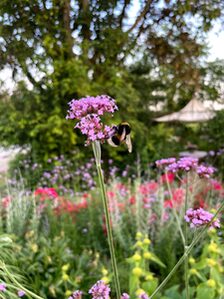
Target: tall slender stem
186	253
186	241
97	154
174	210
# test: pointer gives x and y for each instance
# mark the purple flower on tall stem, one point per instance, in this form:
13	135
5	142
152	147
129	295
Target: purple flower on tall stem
100	290
88	112
185	164
205	171
200	217
165	162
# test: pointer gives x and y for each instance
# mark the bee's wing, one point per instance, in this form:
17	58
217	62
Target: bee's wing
123	135
128	143
110	142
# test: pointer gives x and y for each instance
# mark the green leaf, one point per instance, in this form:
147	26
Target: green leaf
150	286
205	292
155	259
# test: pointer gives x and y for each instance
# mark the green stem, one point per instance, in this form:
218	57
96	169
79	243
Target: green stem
10	276
186	253
186	242
174	211
97	154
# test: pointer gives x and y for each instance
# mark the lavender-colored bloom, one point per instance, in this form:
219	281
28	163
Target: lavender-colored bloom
125	296
185	164
164	162
2	287
21	293
211	153
93	128
88	111
205	171
100	290
200	217
143	296
91	105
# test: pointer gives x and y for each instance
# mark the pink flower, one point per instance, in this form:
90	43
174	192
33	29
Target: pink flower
200	217
100	290
46	193
88	112
2	287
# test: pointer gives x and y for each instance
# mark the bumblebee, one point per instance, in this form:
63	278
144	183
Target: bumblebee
121	135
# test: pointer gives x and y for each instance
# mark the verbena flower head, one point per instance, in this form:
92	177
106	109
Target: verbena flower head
21	293
205	171
88	112
2	287
91	105
185	164
165	162
200	217
100	290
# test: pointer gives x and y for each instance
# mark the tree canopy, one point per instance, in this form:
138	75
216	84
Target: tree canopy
139	52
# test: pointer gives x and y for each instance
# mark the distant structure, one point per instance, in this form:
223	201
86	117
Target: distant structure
193	112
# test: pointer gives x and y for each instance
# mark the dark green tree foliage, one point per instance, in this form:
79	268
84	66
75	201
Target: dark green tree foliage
68	49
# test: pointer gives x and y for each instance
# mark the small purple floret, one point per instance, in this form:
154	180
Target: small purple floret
2	287
125	296
21	293
143	296
100	290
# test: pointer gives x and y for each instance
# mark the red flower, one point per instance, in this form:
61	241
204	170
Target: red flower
132	200
167	177
46	193
6	201
148	188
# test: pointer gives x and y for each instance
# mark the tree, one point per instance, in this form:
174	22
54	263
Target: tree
68	49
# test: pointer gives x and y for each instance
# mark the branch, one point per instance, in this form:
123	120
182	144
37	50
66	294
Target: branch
68	33
30	76
123	12
142	15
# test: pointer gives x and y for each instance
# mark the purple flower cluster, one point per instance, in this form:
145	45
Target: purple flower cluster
88	111
200	217
205	171
185	164
100	290
93	128
76	295
91	105
164	162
